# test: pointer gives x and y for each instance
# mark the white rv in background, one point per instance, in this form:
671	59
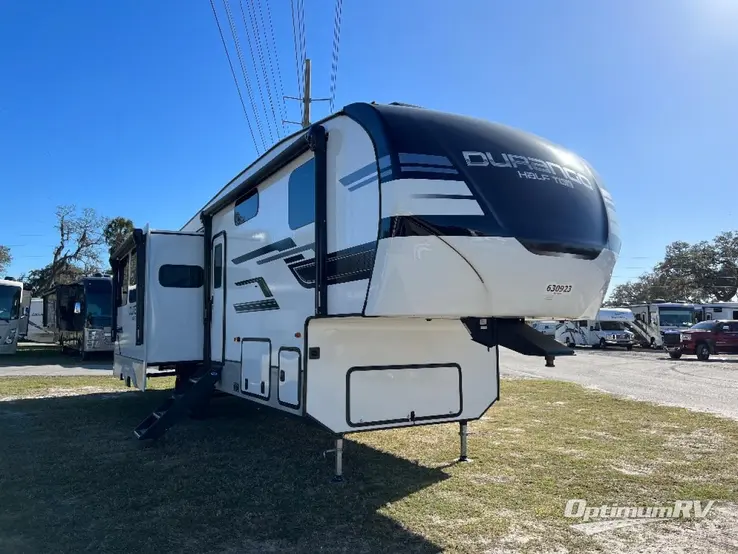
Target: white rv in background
352	274
547	327
609	328
37	330
719	310
11	315
25	309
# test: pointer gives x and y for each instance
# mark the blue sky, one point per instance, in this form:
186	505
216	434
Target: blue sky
129	107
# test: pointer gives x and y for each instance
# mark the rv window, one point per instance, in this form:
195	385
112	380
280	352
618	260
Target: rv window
122	293
133	264
218	266
301	200
246	208
181	276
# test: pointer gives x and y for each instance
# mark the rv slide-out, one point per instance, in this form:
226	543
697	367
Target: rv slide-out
364	272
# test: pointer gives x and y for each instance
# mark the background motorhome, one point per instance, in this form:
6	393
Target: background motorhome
547	327
38	331
11	293
719	310
608	329
661	322
25	311
316	301
80	315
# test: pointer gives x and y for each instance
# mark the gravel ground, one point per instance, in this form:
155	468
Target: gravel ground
648	375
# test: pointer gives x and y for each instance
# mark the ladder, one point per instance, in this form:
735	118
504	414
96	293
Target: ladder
198	390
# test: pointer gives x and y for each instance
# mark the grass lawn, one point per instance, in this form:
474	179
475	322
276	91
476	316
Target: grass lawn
73	478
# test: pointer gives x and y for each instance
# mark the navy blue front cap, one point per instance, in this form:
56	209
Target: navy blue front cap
528	188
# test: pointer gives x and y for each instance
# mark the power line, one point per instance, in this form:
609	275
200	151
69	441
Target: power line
265	76
336	46
303	40
256	73
296	40
281	103
234	34
235	79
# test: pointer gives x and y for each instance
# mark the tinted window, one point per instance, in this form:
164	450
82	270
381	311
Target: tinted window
302	195
181	276
246	208
218	266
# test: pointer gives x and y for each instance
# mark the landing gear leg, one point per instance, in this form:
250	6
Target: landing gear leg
550	361
463	440
338	477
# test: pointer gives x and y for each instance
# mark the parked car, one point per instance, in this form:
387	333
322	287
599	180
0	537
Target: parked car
706	338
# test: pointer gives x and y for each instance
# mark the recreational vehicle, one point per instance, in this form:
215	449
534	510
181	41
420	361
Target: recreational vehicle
365	271
607	329
11	293
719	310
661	322
544	326
80	315
37	330
25	309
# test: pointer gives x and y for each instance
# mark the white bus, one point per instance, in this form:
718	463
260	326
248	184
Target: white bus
610	328
11	293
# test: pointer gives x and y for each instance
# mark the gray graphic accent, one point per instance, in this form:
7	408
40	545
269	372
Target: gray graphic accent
366	171
425	159
259	281
278	246
369	180
310	246
256	306
426	169
446	196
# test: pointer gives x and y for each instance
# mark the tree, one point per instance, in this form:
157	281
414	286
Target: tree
703	272
5	258
39	280
80	241
116	231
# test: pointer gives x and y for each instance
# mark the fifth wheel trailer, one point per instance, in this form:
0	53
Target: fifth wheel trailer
364	272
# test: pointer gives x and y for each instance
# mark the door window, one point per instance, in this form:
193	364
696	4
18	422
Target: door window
218	266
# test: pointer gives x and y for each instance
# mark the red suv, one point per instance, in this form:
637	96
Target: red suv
707	337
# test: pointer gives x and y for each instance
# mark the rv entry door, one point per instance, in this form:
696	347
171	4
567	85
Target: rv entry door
217	298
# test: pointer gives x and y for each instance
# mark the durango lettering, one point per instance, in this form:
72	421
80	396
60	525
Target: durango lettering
528	164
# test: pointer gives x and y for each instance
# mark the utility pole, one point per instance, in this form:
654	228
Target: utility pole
305	98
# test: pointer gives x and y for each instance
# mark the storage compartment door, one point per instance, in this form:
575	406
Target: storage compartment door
256	355
379	395
289	377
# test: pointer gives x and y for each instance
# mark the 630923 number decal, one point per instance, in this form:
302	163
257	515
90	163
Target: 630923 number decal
558	289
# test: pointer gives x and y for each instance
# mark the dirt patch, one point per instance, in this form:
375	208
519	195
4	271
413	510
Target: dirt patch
632	469
701	440
61	392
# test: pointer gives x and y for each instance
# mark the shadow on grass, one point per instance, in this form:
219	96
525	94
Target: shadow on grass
73	478
30	354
